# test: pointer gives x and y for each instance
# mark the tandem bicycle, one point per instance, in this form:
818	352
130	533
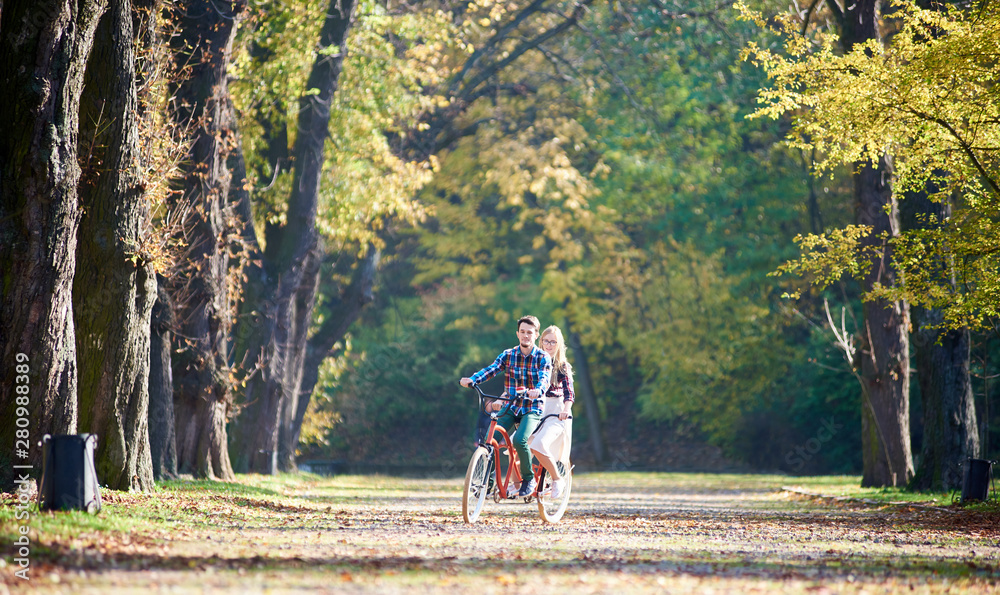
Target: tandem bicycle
495	465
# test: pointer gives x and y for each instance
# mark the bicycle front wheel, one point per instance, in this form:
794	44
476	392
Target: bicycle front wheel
549	508
477	478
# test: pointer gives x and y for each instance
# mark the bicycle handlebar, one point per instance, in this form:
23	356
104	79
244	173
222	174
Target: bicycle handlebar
509	401
553	415
519	395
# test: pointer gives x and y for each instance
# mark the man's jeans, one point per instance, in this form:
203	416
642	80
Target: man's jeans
529	421
482	426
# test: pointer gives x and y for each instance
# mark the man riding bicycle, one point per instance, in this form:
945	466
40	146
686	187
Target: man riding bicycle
527	370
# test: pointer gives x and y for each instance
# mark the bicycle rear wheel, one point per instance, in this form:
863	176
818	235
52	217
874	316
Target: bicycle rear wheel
551	510
477	479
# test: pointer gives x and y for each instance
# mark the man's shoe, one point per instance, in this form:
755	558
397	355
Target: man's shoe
557	488
527	488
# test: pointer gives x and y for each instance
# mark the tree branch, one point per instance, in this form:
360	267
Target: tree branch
966	148
806	18
469	88
499	36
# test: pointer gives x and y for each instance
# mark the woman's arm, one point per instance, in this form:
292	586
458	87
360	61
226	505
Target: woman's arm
568	395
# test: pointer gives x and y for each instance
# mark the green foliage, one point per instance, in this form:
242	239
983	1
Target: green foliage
690	166
626	193
718	353
927	98
697	336
821	406
364	182
826	258
398	399
512	208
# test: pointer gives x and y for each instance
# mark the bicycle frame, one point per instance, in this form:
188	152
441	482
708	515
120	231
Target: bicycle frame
537	468
478	482
513	467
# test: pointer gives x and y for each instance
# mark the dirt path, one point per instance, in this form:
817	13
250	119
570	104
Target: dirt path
624	533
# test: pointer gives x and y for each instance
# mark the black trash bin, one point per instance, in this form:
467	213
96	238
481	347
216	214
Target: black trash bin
69	478
976	480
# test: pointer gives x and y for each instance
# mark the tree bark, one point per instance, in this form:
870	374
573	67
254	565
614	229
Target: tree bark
162	439
268	357
950	431
950	434
301	317
115	286
199	289
585	390
44	48
343	312
885	361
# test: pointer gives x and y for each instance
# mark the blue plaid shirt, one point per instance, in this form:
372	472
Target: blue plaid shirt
523	372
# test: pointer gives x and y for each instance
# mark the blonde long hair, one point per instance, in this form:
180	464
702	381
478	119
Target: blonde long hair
559	363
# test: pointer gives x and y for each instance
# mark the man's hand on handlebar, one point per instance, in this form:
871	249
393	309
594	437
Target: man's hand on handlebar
534	393
466	382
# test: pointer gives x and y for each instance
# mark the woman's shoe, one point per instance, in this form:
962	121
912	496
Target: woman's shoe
557	488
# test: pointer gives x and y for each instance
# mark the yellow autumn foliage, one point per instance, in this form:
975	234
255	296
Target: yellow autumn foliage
926	97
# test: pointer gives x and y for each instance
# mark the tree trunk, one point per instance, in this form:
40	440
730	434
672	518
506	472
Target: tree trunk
255	429
44	47
885	362
162	440
950	435
342	315
584	388
199	289
301	317
115	286
268	357
200	425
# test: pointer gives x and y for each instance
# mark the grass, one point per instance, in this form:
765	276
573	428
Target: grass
847	486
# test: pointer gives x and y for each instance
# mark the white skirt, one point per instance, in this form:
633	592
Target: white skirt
554	436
